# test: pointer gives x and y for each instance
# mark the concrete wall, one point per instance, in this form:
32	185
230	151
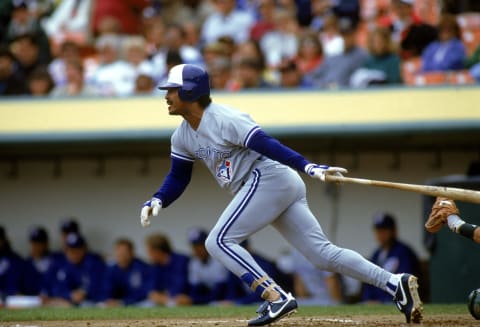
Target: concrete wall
108	206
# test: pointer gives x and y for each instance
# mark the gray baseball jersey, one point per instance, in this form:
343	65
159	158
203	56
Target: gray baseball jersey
219	142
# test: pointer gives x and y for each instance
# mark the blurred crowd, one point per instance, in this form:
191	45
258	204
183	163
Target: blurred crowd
125	47
76	275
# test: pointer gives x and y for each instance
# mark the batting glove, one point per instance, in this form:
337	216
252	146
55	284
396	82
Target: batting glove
150	208
320	171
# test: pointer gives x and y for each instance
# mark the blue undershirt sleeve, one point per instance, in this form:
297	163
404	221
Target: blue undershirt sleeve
175	182
270	147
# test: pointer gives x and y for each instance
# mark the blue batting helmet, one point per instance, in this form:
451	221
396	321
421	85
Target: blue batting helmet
191	81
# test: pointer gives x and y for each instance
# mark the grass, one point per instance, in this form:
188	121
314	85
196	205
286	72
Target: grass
41	314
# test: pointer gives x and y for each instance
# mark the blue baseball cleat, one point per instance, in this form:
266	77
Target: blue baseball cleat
407	299
270	312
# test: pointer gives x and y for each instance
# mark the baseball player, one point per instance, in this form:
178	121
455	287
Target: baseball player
259	172
444	211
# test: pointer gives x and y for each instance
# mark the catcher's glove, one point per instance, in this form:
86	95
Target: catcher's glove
442	208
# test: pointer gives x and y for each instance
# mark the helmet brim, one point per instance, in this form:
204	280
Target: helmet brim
167	86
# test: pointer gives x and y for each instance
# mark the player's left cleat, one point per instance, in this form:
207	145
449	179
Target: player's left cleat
407	299
270	312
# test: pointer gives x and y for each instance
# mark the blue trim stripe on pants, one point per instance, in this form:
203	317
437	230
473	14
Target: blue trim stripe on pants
238	211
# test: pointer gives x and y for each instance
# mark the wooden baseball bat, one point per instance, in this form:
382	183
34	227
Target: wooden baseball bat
448	192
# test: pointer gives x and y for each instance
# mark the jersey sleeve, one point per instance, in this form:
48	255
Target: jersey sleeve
239	129
178	149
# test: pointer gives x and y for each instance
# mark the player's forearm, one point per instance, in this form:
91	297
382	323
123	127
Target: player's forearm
175	182
273	149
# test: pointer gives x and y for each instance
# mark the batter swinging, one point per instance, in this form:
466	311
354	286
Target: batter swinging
257	170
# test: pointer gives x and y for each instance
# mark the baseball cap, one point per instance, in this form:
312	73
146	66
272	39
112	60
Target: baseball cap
384	220
197	236
38	234
75	240
69	225
407	2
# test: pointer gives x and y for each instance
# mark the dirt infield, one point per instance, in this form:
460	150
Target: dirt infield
324	321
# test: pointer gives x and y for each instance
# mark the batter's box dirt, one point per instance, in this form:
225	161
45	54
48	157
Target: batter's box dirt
324	321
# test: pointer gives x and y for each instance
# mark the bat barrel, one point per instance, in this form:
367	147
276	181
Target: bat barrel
448	192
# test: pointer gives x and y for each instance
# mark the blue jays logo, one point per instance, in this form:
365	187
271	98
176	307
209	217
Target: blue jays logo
224	170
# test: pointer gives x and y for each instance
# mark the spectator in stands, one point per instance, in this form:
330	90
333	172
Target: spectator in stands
220	71
227	20
11	268
249	73
213	51
156	48
134	48
38	263
77	280
291	76
113	77
207	276
109	25
448	53
144	85
309	54
192	33
335	71
26	49
70	21
125	278
311	285
40	83
409	31
175	40
266	20
392	255
347	10
331	38
383	65
168	285
281	43
321	10
68	51
75	82
24	22
12	79
128	13
197	11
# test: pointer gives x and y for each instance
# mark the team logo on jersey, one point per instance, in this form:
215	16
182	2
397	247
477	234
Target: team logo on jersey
224	170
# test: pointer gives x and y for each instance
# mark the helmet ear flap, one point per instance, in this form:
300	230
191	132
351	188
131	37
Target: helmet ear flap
185	95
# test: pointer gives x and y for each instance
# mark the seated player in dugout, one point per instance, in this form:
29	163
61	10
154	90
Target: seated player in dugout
168	285
391	254
260	173
207	276
126	278
77	280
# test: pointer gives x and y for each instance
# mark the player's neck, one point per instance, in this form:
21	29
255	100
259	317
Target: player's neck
194	116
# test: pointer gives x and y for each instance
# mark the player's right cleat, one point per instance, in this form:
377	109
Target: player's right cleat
270	312
407	299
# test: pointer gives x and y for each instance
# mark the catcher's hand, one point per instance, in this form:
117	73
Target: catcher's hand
442	208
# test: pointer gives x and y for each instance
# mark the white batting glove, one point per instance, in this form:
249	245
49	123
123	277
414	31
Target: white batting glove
150	208
320	171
